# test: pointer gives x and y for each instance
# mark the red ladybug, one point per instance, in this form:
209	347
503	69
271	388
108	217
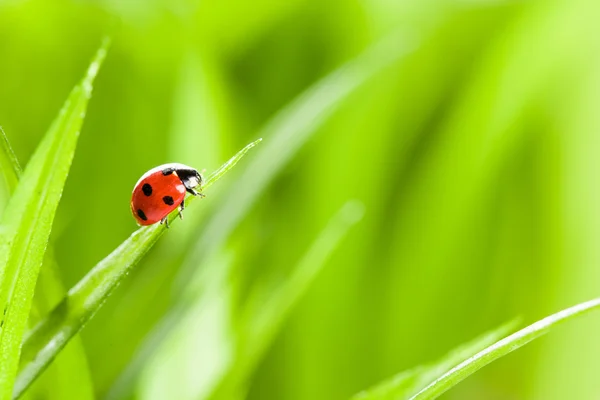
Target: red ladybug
161	190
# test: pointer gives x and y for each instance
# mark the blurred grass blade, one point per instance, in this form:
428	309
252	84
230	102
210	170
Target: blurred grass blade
28	221
239	354
264	321
10	170
71	365
9	165
49	336
289	129
206	328
408	383
500	349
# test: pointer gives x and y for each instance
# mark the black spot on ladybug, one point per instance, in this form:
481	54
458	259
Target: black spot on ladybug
168	200
147	189
141	214
168	171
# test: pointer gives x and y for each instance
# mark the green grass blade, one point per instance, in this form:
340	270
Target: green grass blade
222	170
408	383
264	321
51	334
287	132
72	363
28	221
9	168
500	349
9	164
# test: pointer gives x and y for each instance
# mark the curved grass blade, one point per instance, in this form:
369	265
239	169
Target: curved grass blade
28	221
264	321
500	349
408	383
9	168
50	335
9	164
287	132
71	365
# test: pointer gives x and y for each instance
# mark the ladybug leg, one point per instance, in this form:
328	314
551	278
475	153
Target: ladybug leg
165	220
195	192
181	207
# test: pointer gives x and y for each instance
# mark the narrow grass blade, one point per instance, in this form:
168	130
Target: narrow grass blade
222	170
51	334
9	165
10	170
207	329
408	383
500	349
72	363
264	321
287	132
28	221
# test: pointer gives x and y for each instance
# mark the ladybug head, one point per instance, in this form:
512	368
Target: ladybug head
190	177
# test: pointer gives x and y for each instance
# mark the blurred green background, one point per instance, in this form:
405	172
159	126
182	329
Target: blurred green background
473	152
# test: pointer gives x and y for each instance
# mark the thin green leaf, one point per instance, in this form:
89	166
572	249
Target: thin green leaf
71	364
500	349
28	221
408	383
9	164
51	334
287	132
264	321
10	170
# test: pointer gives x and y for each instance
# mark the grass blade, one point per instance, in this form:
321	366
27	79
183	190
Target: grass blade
500	349
289	129
408	383
9	164
264	321
28	221
72	364
9	168
51	334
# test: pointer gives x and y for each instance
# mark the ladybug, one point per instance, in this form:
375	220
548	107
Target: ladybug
161	190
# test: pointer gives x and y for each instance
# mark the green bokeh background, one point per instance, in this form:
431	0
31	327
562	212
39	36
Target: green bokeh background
475	156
